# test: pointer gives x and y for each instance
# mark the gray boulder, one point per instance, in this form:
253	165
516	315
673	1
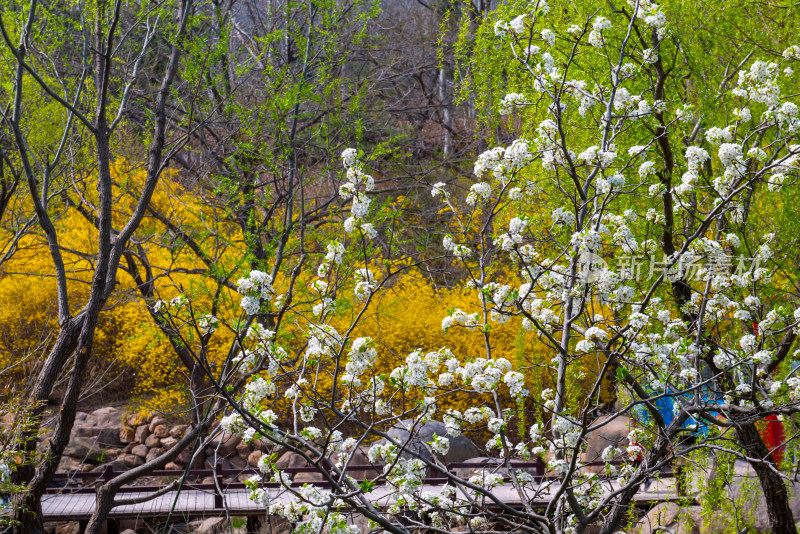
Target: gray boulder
155	421
613	432
140	450
107	417
141	433
119	464
461	448
80	417
84	449
291	460
132	460
102	426
68	464
224	444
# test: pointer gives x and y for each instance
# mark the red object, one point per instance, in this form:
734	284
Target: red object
773	437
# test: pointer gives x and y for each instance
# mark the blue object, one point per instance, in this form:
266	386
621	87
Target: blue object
665	404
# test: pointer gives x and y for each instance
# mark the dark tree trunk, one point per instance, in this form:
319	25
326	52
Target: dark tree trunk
28	514
780	514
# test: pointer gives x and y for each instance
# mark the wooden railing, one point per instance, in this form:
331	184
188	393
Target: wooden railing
99	477
434	476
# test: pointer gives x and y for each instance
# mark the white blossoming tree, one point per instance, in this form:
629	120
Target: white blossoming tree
638	269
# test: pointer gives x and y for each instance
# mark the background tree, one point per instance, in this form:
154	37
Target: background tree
92	109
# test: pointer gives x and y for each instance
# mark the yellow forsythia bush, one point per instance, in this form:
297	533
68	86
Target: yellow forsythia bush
402	318
131	355
408	316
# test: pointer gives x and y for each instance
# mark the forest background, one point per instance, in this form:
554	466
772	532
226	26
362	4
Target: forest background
415	85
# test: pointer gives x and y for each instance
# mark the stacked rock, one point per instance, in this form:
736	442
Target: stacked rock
109	437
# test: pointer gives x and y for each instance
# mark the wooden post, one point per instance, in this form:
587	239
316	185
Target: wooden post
539	469
431	471
218	502
253	524
108	474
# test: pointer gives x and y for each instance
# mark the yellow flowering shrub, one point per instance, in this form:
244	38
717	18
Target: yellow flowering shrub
403	317
408	316
127	342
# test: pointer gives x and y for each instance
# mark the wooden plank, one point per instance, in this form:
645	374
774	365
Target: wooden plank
62	505
199	502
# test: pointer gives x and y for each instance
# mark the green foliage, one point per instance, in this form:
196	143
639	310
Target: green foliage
708	42
727	501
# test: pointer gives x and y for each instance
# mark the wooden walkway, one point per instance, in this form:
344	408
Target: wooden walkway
194	503
195	500
236	502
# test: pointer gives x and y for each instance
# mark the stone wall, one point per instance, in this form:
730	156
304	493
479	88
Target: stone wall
108	436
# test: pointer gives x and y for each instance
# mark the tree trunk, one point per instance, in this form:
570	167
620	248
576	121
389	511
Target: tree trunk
446	120
28	514
780	514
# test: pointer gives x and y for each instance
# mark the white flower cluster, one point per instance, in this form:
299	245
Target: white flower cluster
459	317
260	343
310	511
335	256
596	35
517	25
365	284
594	156
438	189
759	83
511	102
207	324
440	445
361	359
232	423
479	191
786	116
255	392
501	163
652	15
732	159
356	187
563	216
419	368
458	249
695	158
516	384
486	479
323	340
175	303
483	375
406	475
256	289
516	227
